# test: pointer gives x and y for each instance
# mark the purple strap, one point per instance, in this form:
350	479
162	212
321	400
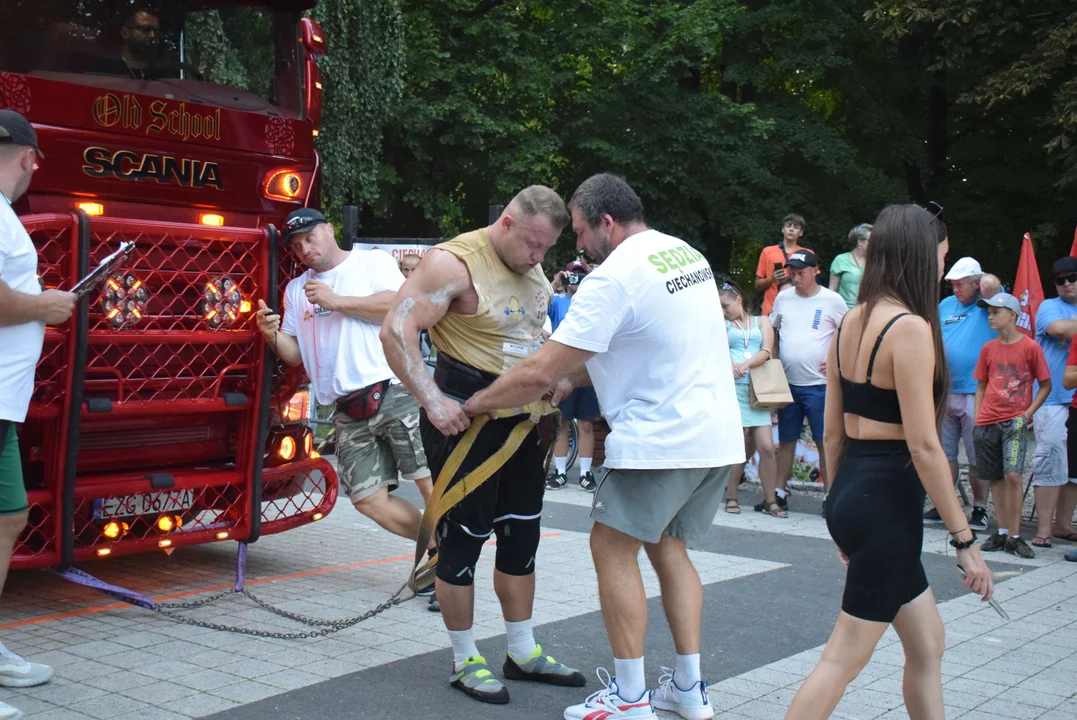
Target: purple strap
123	594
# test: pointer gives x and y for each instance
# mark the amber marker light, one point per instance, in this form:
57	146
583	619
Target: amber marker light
212	219
93	209
287	447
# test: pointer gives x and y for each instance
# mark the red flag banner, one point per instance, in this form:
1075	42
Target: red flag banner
1073	248
1028	288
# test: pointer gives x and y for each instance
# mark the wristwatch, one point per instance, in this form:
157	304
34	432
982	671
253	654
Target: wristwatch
957	545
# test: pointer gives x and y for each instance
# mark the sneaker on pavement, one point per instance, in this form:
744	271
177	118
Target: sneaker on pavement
978	519
993	543
608	705
556	481
690	704
19	673
587	481
1017	546
1071	556
9	713
543	668
932	517
434	605
476	680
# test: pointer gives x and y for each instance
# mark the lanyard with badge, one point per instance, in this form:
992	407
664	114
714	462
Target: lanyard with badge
745	334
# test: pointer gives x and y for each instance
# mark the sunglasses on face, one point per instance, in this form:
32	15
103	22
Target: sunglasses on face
1061	280
726	287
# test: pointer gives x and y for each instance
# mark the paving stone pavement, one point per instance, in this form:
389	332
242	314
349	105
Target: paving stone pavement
119	662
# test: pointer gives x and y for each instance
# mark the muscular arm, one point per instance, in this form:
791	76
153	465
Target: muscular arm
419	304
1062	329
530	379
372	308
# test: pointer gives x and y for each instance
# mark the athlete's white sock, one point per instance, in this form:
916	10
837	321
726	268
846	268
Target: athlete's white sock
631	682
521	639
585	465
1003	531
463	646
780	493
561	463
687	672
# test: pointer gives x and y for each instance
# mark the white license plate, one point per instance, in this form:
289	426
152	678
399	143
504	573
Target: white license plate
145	504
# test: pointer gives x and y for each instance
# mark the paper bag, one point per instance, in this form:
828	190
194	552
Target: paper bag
767	386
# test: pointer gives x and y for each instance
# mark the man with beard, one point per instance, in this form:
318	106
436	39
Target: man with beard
643	328
140	50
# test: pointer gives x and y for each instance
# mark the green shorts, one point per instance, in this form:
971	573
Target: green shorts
371	452
1001	448
12	490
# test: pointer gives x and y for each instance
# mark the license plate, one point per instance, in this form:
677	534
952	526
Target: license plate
144	504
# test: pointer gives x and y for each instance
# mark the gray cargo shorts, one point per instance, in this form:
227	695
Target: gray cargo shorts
645	504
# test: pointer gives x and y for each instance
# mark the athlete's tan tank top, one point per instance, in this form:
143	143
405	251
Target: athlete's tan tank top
507	326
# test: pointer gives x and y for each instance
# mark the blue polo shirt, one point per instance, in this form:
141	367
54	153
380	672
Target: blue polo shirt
1055	350
964	333
558	309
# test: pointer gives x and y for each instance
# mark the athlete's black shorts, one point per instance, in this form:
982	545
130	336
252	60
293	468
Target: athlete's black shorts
515	491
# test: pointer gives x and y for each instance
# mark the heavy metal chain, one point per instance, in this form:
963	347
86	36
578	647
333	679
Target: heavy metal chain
326	626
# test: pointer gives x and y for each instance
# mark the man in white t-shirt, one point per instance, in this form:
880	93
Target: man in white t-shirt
332	317
643	329
24	312
806	316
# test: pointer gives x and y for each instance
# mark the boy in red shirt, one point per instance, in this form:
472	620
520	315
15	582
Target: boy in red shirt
771	274
1004	408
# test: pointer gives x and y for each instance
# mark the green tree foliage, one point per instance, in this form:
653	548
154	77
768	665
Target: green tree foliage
363	80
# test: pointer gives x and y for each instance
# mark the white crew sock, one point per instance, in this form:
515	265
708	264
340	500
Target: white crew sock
463	646
561	463
631	682
521	639
585	465
781	493
687	672
1003	531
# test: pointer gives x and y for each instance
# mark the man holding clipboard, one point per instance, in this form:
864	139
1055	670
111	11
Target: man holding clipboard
25	310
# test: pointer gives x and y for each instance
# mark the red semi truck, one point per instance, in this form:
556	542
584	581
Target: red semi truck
159	417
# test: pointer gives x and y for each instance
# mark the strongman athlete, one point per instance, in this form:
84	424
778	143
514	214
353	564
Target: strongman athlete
483	297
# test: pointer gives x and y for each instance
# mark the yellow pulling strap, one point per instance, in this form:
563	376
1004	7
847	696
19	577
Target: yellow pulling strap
422	574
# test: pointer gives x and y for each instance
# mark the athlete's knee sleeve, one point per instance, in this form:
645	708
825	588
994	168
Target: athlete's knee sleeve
458	552
517	544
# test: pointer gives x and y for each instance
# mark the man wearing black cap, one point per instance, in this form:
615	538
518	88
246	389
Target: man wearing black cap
332	316
25	310
1053	480
806	316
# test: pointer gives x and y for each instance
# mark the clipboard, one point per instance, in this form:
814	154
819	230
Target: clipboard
100	273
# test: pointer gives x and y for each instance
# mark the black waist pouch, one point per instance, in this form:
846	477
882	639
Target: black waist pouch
459	380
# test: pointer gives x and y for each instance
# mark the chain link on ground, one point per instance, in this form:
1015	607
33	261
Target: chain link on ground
326	627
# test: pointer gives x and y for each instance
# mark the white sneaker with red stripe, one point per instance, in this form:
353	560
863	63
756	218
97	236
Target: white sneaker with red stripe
607	704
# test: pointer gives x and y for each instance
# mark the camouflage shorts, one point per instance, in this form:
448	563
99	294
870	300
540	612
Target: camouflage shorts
370	452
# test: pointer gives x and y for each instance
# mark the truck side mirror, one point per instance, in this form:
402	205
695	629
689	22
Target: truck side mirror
314	49
313	39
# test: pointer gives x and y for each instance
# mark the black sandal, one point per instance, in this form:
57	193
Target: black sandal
774	509
732	506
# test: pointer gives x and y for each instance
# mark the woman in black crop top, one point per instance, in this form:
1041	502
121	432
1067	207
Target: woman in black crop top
883	406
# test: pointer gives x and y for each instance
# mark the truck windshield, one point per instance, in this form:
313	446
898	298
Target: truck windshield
206	50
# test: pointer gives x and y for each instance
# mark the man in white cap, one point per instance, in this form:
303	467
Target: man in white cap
964	333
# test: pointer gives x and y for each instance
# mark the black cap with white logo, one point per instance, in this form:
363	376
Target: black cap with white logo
802	259
302	220
17	130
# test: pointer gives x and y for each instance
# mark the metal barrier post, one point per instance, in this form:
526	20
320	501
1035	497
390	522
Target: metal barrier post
77	336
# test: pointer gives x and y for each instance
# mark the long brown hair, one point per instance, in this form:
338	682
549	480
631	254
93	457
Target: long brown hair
902	265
